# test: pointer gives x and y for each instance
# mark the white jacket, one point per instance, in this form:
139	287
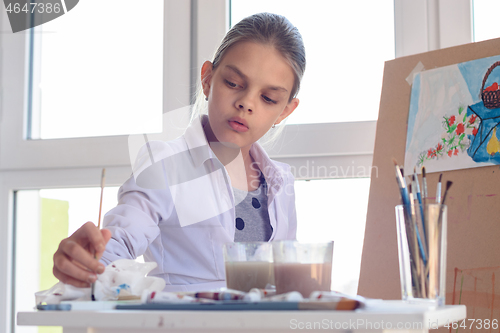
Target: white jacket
179	210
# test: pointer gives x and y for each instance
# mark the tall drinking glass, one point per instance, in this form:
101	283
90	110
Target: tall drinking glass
302	267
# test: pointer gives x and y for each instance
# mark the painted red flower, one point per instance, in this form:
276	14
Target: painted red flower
455	152
472	119
451	121
439	147
460	128
474	131
429	153
450	152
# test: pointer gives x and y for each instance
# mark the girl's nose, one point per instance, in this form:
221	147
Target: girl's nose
241	107
245	103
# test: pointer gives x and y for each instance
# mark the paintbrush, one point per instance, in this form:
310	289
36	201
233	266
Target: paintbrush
438	190
345	304
103	177
405	199
338	305
419	197
424	200
401	183
410	231
424	184
414	222
415	179
448	185
435	244
420	218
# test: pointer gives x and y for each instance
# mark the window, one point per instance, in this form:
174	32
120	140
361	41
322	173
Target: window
50	215
335	209
485	19
341	82
111	70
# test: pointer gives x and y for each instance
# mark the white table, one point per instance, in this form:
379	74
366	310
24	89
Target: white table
390	316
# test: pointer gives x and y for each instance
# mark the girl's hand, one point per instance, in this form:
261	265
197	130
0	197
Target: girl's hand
74	261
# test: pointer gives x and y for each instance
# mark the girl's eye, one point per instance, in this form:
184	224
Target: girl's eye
268	100
231	84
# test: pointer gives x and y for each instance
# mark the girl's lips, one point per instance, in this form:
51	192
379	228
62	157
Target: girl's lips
237	126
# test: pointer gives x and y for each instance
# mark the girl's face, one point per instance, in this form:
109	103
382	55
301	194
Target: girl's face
247	93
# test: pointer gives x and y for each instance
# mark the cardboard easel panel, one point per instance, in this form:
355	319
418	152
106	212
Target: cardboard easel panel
473	201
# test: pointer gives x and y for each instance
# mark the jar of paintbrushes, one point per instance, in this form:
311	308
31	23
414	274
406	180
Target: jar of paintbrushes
421	234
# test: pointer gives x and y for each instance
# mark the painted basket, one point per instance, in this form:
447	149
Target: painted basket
491	99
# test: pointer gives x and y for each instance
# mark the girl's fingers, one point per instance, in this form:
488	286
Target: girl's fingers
91	234
75	252
75	260
67	272
64	278
106	235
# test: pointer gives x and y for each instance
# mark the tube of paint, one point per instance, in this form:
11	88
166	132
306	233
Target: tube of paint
164	297
263	292
224	295
344	302
292	296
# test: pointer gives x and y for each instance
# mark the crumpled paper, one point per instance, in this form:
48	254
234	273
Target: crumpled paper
122	279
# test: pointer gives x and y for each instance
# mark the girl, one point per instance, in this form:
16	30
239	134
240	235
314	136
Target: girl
213	185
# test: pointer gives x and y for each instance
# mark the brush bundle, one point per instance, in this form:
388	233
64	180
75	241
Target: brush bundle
421	230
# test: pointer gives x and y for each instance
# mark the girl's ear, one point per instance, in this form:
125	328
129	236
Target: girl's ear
206	77
289	108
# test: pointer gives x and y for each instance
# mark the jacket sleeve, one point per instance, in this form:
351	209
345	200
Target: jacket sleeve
134	222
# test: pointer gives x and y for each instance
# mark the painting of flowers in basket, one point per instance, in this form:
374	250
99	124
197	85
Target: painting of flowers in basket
454	117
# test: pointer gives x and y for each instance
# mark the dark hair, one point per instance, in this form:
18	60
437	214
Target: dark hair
273	29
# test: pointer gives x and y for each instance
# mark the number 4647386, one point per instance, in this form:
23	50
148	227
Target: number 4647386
474	323
34	8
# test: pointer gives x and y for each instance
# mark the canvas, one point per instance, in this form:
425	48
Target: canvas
453	117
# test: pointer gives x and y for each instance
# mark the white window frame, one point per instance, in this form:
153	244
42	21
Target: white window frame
420	26
35	164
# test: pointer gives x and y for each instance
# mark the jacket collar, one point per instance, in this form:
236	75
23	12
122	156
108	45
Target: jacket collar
197	141
272	173
200	152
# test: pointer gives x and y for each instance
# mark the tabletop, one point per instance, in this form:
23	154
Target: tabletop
386	316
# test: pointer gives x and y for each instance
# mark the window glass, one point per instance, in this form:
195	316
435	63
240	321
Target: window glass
335	209
44	218
346	45
486	19
98	71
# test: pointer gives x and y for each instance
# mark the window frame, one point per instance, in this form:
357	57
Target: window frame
419	27
35	164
